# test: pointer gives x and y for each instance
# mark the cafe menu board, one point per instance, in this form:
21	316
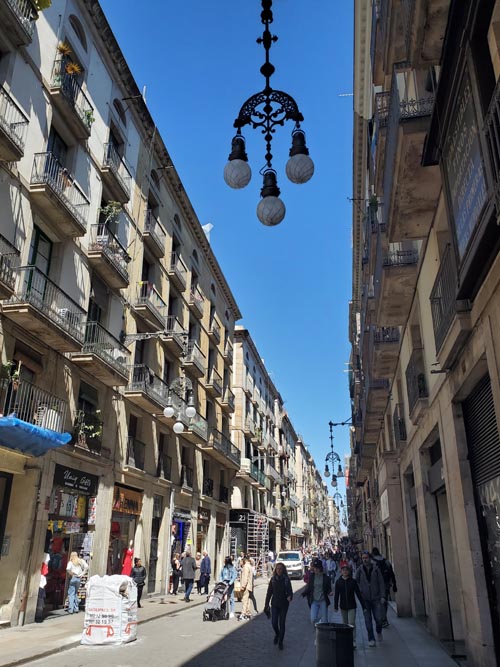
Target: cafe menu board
463	166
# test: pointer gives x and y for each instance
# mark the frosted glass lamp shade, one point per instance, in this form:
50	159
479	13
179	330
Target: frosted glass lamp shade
300	168
334	482
168	412
237	174
271	211
178	427
190	411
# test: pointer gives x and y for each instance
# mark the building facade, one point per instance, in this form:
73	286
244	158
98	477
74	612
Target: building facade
113	307
424	318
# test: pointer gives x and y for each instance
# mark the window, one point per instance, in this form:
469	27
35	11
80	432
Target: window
78	30
118	107
177	221
57	147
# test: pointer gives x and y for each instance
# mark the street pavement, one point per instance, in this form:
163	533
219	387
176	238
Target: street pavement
173	634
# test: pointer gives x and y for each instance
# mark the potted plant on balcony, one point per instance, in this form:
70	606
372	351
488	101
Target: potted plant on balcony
7	372
88	431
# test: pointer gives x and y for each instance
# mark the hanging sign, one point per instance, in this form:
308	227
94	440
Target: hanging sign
203	514
181	515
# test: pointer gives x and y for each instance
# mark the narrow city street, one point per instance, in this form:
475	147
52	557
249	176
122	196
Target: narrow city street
182	639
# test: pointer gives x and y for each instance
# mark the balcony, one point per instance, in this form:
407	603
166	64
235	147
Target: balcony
450	318
384	350
245	470
377	394
108	256
115	174
228	352
103	356
187	478
223	494
208	488
214	330
274	474
222	449
249	427
378	143
410	191
87	434
416	385
196	302
177	271
194	362
213	383
273	444
68	97
424	29
18	18
146	390
227	401
34	405
395	282
136	454
150	306
9	263
248	386
60	200
276	513
258	478
196	429
154	236
164	466
174	336
399	425
41	307
13	128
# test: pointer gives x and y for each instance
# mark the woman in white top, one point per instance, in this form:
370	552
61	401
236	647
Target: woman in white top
75	569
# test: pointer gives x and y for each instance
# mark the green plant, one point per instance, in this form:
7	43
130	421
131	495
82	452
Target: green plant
111	211
42	4
88	426
89	117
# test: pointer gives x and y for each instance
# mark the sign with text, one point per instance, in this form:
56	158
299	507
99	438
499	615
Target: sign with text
127	501
75	479
464	168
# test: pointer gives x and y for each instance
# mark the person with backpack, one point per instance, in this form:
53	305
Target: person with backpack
346	591
385	567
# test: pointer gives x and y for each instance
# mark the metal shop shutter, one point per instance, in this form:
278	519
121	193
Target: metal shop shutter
482	433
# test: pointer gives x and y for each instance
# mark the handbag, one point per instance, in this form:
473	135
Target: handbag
237	586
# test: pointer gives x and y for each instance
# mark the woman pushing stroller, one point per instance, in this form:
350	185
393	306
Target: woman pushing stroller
229	575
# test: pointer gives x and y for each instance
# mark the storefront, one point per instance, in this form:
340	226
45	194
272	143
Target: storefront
70	528
181	530
127	507
202	527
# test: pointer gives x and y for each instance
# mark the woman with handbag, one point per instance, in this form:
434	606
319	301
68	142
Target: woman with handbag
75	570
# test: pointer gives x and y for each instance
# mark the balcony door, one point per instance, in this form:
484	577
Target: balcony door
40	256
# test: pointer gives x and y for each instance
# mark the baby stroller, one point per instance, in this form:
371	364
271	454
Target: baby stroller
217	603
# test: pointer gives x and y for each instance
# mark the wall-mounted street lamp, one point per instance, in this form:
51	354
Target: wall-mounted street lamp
267	110
180	397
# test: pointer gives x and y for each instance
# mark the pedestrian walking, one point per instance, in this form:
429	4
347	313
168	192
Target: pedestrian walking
279	595
228	575
75	569
246	579
176	572
252	594
197	574
372	587
346	591
138	574
206	571
188	566
385	567
318	592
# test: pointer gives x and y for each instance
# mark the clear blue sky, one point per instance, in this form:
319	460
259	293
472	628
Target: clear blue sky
199	62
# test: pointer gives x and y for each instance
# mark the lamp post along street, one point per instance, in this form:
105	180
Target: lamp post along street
267	110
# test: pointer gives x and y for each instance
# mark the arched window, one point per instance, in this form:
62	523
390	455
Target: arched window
78	30
120	111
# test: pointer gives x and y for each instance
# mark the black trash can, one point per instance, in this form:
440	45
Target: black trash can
334	645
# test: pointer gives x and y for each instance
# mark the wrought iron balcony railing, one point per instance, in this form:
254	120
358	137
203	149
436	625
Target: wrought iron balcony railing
33	287
12	120
401	257
35	405
103	344
102	239
153	227
136	453
197	299
399	424
143	379
9	262
195	355
26	14
47	170
416	382
175	329
386	335
215	379
443	297
148	295
223	444
72	91
178	267
228	350
117	165
208	487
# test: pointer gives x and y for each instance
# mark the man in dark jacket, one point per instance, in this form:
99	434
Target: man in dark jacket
188	568
279	595
346	591
205	572
138	574
318	592
385	567
372	587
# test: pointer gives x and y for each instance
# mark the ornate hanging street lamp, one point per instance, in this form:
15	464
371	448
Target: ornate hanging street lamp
267	110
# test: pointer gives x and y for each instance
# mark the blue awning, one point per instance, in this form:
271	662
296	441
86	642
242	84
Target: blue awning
28	438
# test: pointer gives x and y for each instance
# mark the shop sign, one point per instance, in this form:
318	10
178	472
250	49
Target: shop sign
384	506
238	516
220	520
203	514
182	515
464	166
127	501
75	479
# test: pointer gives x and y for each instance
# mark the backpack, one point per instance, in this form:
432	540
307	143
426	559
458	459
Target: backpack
386	569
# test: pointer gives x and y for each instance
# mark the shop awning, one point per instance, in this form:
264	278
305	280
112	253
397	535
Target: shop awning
29	439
